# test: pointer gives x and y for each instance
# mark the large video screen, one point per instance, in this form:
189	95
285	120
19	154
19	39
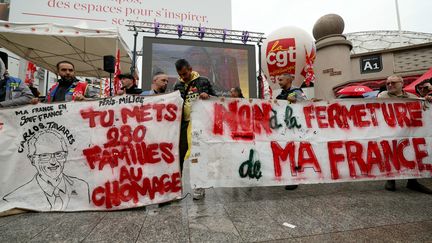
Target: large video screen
225	65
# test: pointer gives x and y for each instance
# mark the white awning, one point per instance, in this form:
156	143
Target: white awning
46	44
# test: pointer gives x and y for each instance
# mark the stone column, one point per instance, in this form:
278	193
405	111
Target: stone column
333	64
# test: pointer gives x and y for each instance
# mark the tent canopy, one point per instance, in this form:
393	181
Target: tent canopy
412	86
46	44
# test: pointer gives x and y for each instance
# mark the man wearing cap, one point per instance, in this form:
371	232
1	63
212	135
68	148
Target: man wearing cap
128	85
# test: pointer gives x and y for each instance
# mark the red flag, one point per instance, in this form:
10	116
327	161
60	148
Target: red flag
117	72
31	69
309	72
106	89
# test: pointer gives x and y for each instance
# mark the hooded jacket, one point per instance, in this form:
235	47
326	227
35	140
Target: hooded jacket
191	90
16	91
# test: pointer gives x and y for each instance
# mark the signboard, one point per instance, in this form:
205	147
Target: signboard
248	143
100	155
115	13
371	64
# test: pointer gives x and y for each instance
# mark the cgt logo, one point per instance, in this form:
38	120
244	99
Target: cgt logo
281	56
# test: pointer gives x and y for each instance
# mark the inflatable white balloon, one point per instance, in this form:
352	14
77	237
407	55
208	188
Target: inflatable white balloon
284	51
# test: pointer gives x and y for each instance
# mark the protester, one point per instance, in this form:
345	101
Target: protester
424	89
13	91
159	84
394	85
289	93
68	87
236	93
191	86
128	85
292	95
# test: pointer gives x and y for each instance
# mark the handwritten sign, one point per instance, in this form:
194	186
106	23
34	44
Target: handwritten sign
107	154
264	143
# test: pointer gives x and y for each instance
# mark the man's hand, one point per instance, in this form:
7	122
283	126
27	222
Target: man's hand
121	92
79	97
204	96
316	100
34	101
428	98
292	99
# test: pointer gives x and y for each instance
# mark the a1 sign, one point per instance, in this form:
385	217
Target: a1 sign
370	64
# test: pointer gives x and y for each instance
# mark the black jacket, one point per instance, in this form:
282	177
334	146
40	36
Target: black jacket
285	93
201	83
134	90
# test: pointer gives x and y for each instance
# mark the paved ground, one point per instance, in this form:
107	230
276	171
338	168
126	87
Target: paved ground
345	212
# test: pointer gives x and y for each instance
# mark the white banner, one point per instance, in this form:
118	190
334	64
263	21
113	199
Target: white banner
115	13
239	143
108	154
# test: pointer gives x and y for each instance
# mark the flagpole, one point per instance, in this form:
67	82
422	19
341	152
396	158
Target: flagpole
398	21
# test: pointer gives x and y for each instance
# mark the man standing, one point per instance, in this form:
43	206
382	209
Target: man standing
128	85
192	87
13	91
236	92
289	93
68	87
292	95
424	89
395	90
49	189
159	84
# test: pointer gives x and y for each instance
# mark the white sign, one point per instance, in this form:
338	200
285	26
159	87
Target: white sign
100	155
239	143
115	13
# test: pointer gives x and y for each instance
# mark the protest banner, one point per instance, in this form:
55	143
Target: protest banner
107	154
238	142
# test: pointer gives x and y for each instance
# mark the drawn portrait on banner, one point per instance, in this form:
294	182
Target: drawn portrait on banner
50	188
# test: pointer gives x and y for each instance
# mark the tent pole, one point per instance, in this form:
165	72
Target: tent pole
132	68
111	94
46	83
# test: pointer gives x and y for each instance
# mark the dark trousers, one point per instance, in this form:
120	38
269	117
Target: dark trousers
183	144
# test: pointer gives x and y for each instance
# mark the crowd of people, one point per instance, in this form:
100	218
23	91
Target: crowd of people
192	86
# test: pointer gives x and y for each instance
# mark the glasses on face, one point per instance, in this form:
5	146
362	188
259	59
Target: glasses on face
393	83
46	157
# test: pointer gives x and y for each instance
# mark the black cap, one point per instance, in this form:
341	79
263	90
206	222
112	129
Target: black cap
126	75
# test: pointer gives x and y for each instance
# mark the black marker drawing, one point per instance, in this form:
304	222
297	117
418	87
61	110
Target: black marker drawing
50	187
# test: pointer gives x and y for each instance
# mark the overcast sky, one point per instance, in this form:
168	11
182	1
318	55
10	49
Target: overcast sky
359	15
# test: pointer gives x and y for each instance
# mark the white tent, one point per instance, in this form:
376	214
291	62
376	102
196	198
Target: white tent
46	44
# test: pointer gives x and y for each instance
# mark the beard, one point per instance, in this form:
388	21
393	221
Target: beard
68	79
